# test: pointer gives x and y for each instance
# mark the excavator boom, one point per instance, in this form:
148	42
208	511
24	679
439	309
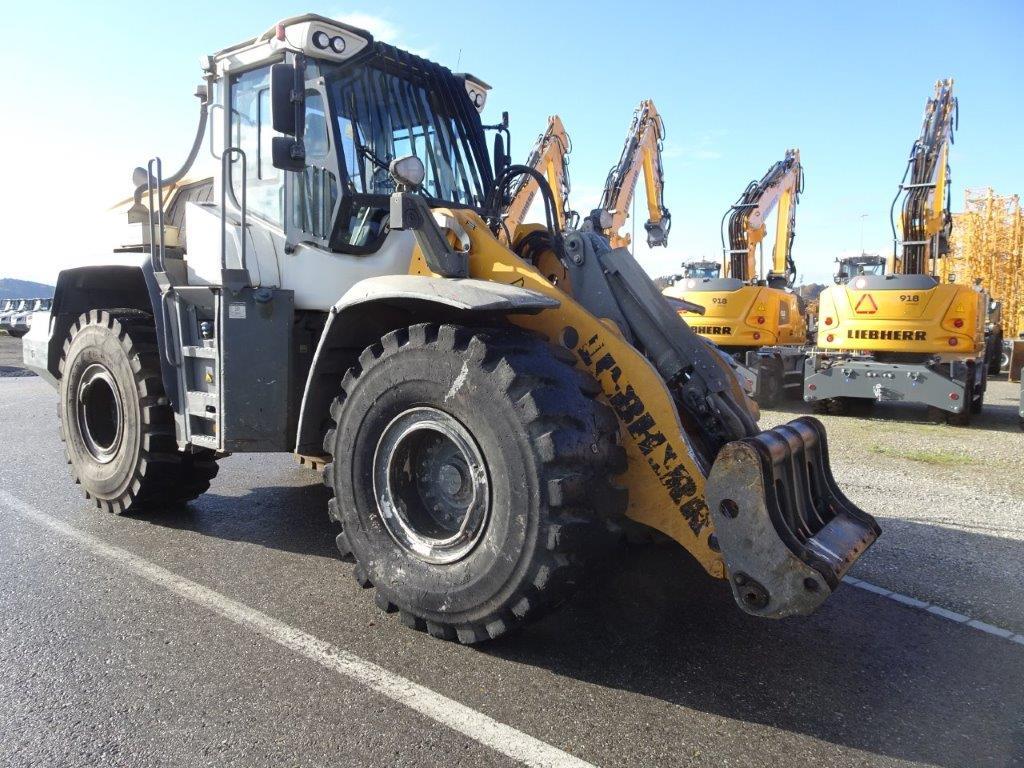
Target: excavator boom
550	158
640	153
745	222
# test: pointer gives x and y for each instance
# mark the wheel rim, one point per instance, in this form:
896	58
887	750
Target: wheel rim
431	485
100	418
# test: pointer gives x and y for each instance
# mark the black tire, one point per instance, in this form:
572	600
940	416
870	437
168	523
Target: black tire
963	418
16	334
995	354
116	425
772	389
837	406
549	449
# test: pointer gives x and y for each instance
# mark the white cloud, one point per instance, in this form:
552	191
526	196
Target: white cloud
382	29
700	148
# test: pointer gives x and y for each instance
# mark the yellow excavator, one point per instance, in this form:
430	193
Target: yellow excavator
759	322
641	152
905	336
484	430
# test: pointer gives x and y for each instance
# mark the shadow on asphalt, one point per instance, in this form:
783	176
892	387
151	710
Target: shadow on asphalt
284	517
864	672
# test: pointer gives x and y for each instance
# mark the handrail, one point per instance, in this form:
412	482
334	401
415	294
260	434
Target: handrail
158	262
230	152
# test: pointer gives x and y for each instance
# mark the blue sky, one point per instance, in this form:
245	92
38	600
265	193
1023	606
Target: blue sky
95	89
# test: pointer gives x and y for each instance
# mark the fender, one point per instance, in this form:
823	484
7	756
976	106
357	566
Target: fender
378	305
105	286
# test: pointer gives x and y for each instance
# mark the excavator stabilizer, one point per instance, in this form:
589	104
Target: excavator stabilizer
786	532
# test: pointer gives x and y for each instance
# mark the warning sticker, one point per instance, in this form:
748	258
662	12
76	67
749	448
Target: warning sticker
866	305
236	310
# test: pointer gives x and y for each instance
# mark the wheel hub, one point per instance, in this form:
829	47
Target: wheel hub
100	417
431	485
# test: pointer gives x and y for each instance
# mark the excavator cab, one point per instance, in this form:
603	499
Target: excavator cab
345	294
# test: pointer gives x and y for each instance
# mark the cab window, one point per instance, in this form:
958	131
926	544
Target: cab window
251	132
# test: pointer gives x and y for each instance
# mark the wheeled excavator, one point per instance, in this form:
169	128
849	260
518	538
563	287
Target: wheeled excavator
343	293
905	336
641	153
760	322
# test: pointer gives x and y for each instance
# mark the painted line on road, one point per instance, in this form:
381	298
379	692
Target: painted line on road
936	610
477	726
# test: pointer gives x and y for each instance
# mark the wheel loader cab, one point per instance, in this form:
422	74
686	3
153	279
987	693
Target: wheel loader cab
484	432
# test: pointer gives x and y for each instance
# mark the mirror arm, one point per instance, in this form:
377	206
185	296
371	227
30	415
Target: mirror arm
410	211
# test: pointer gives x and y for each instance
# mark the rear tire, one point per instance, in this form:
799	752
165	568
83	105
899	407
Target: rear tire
441	426
16	334
115	422
971	392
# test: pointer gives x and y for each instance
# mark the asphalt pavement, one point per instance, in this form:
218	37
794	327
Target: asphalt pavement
228	632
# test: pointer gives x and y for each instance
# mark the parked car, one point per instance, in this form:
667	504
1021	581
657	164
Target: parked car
21	321
6	308
20	305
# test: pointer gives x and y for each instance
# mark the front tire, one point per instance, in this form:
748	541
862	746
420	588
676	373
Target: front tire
471	473
116	425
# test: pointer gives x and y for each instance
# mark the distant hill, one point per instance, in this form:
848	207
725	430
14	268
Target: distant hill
24	289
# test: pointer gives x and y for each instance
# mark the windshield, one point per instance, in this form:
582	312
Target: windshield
856	268
387	109
702	271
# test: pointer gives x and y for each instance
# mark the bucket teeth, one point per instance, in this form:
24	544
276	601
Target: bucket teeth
788	533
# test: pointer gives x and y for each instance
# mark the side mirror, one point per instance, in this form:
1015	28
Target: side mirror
288	98
501	159
287	154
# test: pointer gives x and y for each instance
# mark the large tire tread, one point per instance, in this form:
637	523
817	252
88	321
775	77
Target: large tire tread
163	474
577	466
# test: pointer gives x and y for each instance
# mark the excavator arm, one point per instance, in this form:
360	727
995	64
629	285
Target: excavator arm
926	222
745	225
641	153
550	158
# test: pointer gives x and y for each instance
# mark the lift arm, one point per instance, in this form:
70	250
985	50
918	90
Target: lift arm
780	186
926	220
550	157
642	151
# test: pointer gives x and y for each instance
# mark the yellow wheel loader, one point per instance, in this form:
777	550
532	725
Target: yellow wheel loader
342	293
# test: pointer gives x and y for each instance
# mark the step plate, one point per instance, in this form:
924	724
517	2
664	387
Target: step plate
786	531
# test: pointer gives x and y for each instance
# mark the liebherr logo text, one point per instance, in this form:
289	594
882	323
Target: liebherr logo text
714	330
652	442
887	335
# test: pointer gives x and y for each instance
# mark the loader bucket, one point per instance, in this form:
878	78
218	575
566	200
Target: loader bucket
786	532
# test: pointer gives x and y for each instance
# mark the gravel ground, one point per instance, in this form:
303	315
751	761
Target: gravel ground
957	490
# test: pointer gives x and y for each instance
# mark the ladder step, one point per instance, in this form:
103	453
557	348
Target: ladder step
208	353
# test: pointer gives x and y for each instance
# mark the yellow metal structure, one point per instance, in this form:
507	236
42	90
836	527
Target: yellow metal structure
550	158
988	245
640	153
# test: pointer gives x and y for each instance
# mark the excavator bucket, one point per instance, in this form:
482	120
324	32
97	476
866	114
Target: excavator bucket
786	532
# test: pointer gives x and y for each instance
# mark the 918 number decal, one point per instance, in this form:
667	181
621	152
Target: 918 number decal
910	297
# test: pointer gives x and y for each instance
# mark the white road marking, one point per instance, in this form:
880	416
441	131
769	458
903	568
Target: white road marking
477	726
936	610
